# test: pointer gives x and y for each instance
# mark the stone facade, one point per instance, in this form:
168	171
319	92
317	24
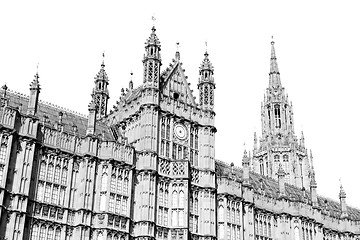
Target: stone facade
147	168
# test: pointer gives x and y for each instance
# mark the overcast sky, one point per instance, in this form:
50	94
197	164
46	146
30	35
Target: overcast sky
317	46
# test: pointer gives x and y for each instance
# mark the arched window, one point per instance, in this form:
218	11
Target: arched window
297	233
35	232
42	170
277	117
269	230
57	174
3	153
175	199
221	213
109	237
162	148
113	183
42	233
126	186
100	236
276	158
168	129
181	199
50	172
64	176
163	127
104	181
261	167
57	234
174	218
181	218
50	234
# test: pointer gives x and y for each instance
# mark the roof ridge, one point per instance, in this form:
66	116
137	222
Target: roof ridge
49	104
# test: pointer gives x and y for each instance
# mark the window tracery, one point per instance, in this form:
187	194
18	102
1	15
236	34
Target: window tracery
119	191
49	187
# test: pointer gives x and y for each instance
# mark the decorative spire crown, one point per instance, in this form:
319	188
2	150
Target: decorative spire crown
274	81
206	64
35	83
342	193
153	39
101	75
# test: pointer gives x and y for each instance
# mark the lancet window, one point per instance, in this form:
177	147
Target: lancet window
178	205
277	116
119	190
263	226
194	212
233	220
165	136
163	203
52	183
307	231
43	231
194	145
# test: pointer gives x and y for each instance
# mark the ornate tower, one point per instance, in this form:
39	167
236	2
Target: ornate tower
152	60
206	84
278	143
145	123
100	93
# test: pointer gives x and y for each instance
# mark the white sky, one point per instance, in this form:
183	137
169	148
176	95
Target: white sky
317	45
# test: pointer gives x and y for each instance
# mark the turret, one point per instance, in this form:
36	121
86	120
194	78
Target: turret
313	184
152	60
100	94
343	206
206	84
246	169
91	118
34	95
281	180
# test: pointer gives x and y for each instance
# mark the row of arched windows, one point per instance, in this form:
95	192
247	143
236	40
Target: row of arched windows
44	232
263	225
178	205
53	174
54	171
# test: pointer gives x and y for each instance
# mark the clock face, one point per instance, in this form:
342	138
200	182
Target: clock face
180	131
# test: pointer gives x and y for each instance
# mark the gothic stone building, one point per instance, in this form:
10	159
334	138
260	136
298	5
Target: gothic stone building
147	168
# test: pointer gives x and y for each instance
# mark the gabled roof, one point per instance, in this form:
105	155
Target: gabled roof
51	111
270	188
173	79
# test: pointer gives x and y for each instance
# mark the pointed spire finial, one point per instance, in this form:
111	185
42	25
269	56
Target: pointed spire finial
103	61
177	54
206	50
131	84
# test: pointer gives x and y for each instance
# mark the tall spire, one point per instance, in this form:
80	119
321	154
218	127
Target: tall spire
274	75
34	94
100	94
